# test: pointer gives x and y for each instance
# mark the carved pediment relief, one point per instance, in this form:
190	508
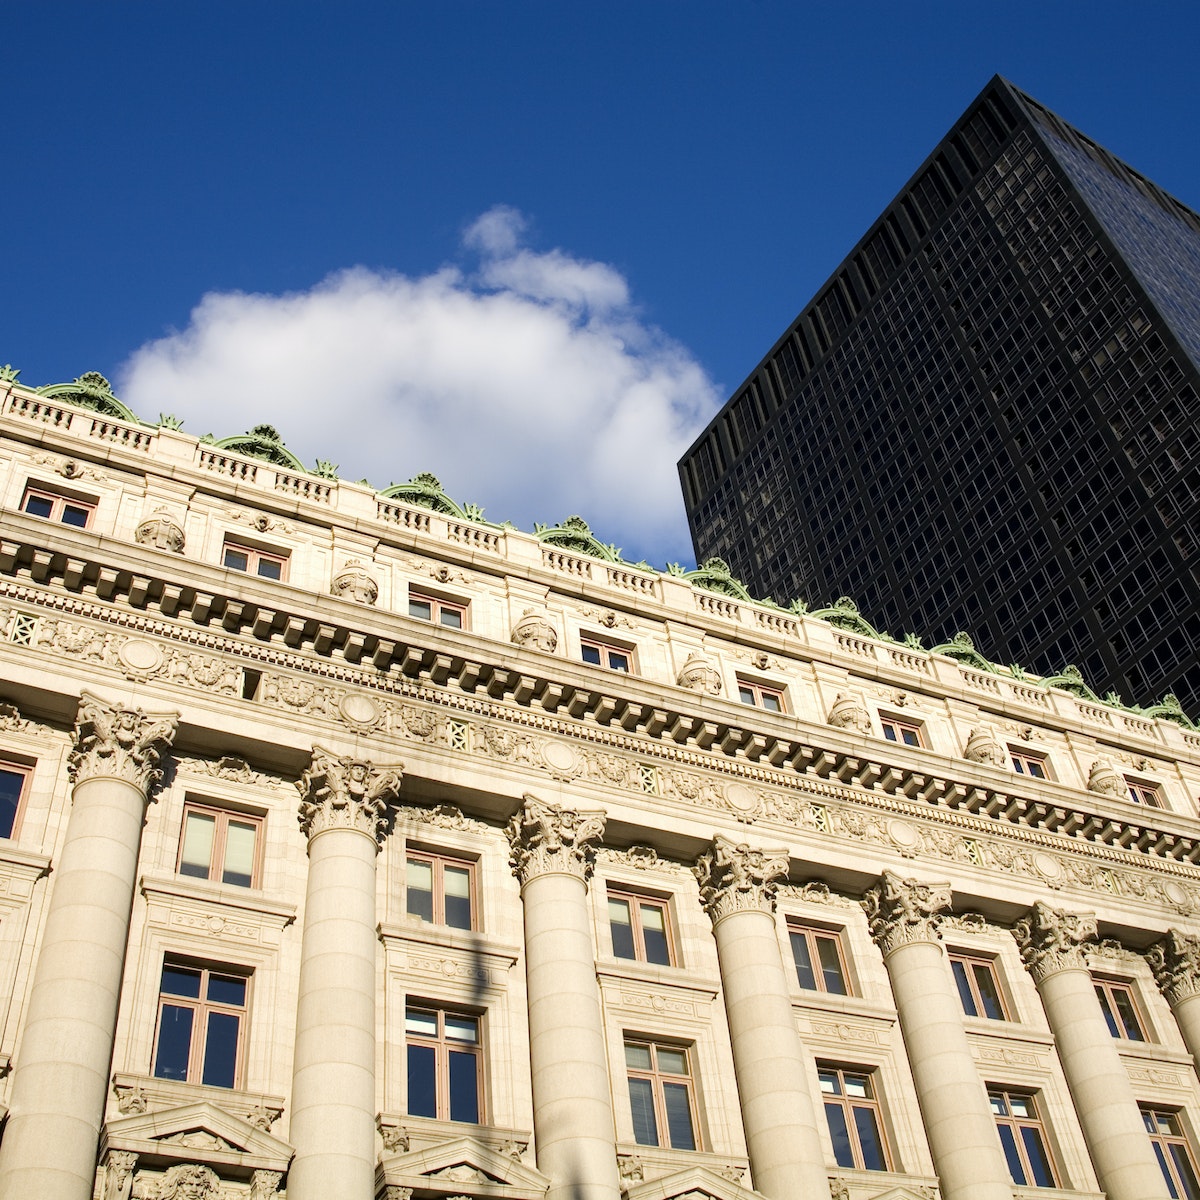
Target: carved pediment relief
199	1133
463	1165
694	1183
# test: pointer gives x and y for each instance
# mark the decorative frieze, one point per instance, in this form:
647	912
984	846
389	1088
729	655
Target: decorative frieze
346	793
1053	940
548	838
1175	961
735	877
902	911
184	1181
115	742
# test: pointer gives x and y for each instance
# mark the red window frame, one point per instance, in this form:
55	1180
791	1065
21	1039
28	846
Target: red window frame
904	733
255	561
60	505
203	1007
825	955
447	613
635	904
437	864
217	866
761	695
606	654
1029	762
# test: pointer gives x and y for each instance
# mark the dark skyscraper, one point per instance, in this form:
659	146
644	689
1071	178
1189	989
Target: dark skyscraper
987	419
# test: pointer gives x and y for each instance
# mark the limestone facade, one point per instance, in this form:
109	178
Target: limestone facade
368	881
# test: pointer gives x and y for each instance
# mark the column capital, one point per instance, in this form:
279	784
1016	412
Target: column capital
1053	940
548	838
346	793
1175	961
115	742
903	911
735	877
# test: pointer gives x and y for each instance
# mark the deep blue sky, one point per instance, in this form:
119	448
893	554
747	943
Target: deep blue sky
722	157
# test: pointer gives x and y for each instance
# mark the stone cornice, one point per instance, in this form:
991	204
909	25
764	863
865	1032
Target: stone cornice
737	877
903	911
1053	940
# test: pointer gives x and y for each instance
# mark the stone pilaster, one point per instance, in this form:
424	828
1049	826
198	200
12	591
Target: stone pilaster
737	888
904	917
61	1080
553	849
343	811
1054	945
1175	961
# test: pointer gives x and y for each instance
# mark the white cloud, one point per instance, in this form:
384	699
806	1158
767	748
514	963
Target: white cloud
531	387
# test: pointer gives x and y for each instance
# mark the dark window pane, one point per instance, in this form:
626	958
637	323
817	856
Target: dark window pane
179	981
422	1081
911	737
464	1087
1128	1015
620	924
227	989
842	1149
889	732
39	506
11	783
746	695
220	1050
654	936
618	661
422	609
985	981
964	987
451	618
456	886
1106	1008
1161	1154
591	654
831	966
1187	1175
1009	1142
641	1101
1035	769
419	889
679	1116
174	1042
237	559
804	967
72	514
771	702
1035	1152
270	568
869	1140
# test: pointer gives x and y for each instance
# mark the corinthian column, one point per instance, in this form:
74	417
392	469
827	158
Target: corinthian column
343	810
65	1052
1054	946
905	918
737	887
553	849
1175	962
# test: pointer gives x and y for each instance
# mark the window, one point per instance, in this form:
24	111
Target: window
660	1095
604	655
818	957
53	507
1120	1011
1144	793
440	612
1171	1149
760	696
445	1064
1022	1137
640	928
1025	763
201	1024
852	1112
13	782
221	846
440	890
978	988
255	562
908	733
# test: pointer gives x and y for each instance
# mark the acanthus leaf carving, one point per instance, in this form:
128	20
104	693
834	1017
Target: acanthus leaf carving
1175	961
1053	940
737	877
346	793
903	911
118	1174
121	743
548	838
265	1184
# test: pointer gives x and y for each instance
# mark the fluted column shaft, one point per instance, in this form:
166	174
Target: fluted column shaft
553	849
65	1053
1053	944
1175	962
343	811
904	916
781	1125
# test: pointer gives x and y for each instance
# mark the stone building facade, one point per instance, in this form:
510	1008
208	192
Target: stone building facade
358	848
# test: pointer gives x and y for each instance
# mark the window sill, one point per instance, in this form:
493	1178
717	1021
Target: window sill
220	894
826	1004
626	969
442	937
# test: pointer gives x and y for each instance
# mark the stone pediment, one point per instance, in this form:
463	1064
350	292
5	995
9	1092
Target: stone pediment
692	1183
464	1166
199	1132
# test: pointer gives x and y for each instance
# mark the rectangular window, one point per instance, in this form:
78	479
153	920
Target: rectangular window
908	733
1144	793
219	845
14	781
1120	1011
445	1064
1022	1137
254	562
641	928
440	612
440	890
601	654
820	966
1025	763
978	987
66	510
660	1095
760	696
852	1111
1173	1153
201	1025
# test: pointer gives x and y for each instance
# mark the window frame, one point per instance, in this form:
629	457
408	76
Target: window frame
25	770
1022	760
604	649
1016	1124
635	901
970	963
811	935
1151	794
438	605
439	861
758	694
441	1046
657	1078
1162	1142
1107	989
220	834
59	502
203	1007
848	1104
889	720
254	556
